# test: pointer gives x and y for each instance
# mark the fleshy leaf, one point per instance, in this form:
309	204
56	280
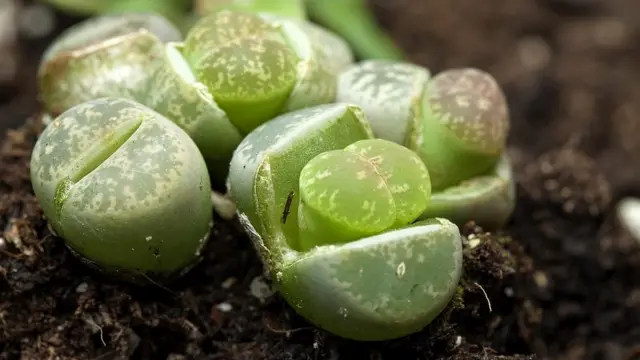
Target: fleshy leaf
245	63
111	175
105	56
367	188
265	169
464	126
470	103
175	93
389	92
487	199
380	287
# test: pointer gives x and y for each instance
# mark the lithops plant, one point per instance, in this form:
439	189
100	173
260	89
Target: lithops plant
236	70
108	55
231	72
126	189
332	212
456	121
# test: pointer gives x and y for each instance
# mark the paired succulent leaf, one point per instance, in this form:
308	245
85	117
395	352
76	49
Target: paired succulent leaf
464	125
231	73
112	176
331	210
109	55
367	188
456	121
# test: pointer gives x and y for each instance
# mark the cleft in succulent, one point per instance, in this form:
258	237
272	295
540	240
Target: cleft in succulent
366	188
108	55
331	210
114	179
456	121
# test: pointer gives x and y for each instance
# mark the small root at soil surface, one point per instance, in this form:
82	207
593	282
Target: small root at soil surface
53	306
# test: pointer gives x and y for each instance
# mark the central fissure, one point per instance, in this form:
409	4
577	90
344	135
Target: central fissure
93	157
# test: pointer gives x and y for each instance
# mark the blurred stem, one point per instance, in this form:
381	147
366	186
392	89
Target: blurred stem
286	8
356	23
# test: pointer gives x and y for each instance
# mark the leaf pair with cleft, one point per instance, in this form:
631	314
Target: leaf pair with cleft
231	72
456	121
349	257
115	180
367	188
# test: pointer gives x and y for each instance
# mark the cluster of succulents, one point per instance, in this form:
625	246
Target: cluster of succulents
351	178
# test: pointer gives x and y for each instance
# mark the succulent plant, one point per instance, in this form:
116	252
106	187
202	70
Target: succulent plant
115	180
232	72
107	55
332	211
456	121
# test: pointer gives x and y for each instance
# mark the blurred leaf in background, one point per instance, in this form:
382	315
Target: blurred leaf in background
287	8
355	22
176	11
352	19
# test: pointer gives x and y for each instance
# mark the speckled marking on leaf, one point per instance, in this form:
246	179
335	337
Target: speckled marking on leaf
470	103
138	172
222	27
386	90
293	124
419	265
333	51
174	92
247	68
391	254
316	80
128	174
119	66
245	63
368	187
97	29
251	182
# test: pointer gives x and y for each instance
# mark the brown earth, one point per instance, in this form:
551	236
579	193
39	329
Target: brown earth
561	282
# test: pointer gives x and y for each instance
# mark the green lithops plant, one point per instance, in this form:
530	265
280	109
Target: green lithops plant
456	121
236	70
231	72
108	55
115	180
332	211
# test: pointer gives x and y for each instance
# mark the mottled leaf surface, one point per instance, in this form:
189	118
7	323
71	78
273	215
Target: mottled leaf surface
370	186
388	91
116	179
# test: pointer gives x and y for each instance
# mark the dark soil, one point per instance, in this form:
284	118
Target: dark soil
560	282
